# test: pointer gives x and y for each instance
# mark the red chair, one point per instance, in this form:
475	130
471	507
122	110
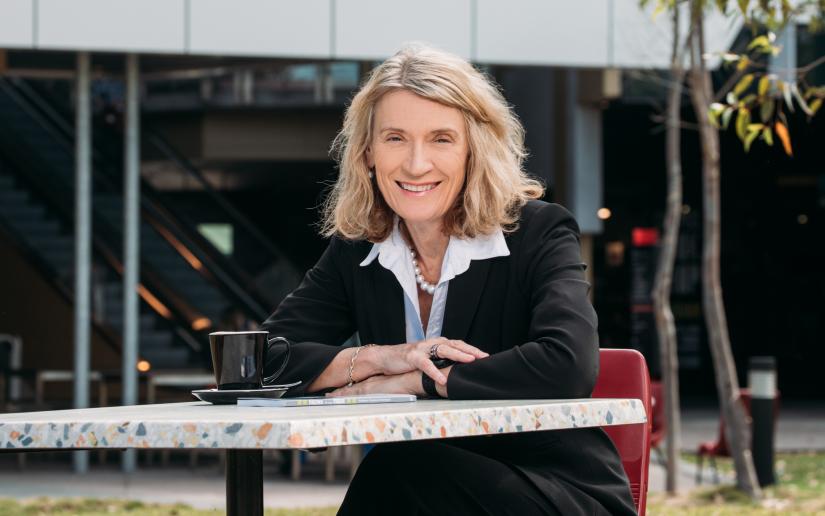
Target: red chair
658	422
719	448
623	374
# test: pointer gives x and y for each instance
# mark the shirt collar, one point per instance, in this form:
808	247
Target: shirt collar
393	253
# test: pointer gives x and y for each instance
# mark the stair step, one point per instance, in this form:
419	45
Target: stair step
156	339
57	246
45	228
14	197
146	321
26	213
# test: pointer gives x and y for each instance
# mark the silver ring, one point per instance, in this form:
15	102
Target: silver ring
434	352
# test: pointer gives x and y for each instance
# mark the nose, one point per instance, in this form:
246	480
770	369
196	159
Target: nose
418	161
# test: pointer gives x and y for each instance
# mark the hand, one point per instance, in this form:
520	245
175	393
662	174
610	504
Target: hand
406	383
415	356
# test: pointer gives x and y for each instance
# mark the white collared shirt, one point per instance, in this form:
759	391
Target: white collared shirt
394	255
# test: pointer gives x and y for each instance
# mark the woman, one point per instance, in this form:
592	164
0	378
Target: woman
439	250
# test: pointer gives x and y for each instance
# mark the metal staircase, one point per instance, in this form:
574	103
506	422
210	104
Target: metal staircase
187	285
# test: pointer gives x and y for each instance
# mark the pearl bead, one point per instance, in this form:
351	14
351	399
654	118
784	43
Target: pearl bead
423	284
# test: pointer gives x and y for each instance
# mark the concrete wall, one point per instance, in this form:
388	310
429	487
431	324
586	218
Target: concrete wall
584	33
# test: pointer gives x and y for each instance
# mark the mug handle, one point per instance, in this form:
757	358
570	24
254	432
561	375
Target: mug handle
274	376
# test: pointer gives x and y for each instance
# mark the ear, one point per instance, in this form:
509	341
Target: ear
369	157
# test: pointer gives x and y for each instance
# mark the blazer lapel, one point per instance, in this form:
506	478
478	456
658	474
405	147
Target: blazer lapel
386	306
463	297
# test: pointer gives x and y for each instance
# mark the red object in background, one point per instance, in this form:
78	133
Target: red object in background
719	447
645	237
623	374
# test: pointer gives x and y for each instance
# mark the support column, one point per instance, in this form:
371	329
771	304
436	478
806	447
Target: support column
83	241
582	156
583	163
785	63
131	242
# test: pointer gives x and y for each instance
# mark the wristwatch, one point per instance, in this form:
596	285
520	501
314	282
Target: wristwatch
429	386
428	383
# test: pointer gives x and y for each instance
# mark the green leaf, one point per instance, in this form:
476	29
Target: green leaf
726	114
747	99
743	63
786	93
815	105
713	118
787	9
722	5
767	135
743	6
760	42
731	98
743	119
800	100
730	57
660	7
764	84
749	139
743	84
766	110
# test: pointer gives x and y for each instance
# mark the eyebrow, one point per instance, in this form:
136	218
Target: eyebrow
434	131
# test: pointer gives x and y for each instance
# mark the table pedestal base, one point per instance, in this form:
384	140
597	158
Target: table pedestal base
244	483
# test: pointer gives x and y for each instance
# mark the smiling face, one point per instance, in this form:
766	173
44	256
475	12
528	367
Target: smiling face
419	150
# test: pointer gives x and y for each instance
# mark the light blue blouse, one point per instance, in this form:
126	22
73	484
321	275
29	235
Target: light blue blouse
394	255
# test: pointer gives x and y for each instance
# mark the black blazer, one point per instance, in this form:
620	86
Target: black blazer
529	310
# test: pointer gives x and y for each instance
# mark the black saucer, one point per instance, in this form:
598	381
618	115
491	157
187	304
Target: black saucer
230	396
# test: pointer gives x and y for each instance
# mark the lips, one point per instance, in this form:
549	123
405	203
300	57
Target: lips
417	188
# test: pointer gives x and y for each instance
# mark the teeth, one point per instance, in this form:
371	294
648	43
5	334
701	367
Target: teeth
415	188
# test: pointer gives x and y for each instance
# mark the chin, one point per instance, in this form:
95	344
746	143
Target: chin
413	215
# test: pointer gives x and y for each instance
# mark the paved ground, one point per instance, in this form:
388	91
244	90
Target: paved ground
801	427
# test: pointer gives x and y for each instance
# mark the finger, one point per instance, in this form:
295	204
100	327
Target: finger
345	391
469	349
455	354
433	372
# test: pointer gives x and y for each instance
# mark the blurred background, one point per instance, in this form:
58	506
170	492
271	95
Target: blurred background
238	103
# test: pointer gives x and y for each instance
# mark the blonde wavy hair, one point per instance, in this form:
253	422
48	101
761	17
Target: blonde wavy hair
496	186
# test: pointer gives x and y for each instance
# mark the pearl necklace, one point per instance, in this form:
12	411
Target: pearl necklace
423	284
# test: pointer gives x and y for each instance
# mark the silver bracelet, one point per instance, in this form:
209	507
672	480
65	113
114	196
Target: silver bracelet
352	362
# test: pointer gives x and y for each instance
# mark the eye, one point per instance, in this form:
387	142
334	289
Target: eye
393	138
443	139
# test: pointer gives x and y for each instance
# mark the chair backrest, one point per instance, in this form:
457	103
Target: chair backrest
722	449
623	374
658	422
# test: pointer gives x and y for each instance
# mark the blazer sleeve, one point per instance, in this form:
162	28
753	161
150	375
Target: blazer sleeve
316	318
561	357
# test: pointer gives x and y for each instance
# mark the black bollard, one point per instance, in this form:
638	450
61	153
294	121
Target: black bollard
762	382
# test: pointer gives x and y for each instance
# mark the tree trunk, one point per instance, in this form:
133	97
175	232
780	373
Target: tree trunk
733	411
665	324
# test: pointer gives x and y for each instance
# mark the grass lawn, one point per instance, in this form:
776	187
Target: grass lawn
94	507
800	490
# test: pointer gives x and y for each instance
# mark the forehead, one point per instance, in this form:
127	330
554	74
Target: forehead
405	110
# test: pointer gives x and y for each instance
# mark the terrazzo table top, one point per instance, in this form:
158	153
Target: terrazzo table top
201	425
